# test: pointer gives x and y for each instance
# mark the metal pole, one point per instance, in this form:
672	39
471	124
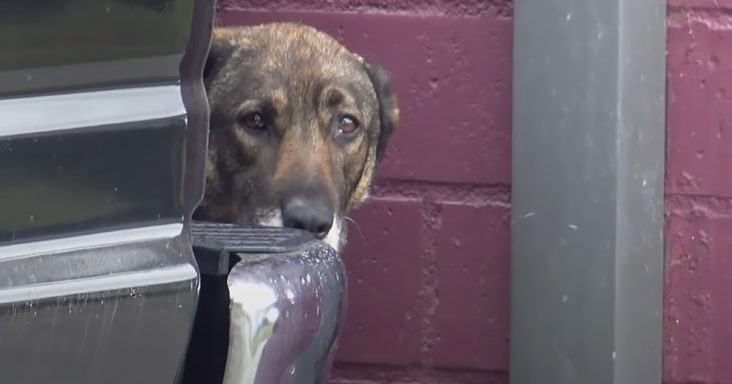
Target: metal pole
588	176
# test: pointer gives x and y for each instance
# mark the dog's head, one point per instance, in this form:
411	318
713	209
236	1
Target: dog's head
298	126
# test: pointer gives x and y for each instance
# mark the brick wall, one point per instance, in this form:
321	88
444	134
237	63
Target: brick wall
428	260
698	331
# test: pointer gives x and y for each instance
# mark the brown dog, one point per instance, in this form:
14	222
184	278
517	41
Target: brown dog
298	126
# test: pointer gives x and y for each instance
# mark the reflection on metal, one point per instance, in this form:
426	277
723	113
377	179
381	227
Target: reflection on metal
89	109
87	316
157	69
156	5
93	179
286	314
91	141
90	285
78	243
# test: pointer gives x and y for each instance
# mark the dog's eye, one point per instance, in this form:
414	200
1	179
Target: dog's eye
347	125
254	121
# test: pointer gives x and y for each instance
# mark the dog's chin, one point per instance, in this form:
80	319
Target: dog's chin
271	218
335	237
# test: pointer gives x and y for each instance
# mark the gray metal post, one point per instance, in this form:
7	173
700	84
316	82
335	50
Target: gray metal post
588	172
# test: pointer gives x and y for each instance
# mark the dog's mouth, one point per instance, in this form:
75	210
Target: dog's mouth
332	235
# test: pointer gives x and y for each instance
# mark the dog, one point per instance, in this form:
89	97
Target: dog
298	126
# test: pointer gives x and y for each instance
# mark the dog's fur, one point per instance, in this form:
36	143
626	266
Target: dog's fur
301	82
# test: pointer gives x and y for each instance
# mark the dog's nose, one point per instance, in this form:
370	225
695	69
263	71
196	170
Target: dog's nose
308	214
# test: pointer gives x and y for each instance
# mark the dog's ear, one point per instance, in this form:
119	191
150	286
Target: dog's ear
388	108
219	53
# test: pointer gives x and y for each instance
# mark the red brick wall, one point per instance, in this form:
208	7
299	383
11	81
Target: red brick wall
429	259
698	332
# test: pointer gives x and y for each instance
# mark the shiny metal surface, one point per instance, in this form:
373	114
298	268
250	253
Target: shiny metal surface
57	45
89	109
79	243
113	313
587	194
104	123
286	316
90	179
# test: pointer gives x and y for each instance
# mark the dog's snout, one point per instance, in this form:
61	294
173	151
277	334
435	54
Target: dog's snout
308	214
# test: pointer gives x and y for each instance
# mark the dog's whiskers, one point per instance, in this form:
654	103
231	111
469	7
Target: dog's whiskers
358	228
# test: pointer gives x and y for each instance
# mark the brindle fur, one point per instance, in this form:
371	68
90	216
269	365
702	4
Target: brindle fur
303	81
